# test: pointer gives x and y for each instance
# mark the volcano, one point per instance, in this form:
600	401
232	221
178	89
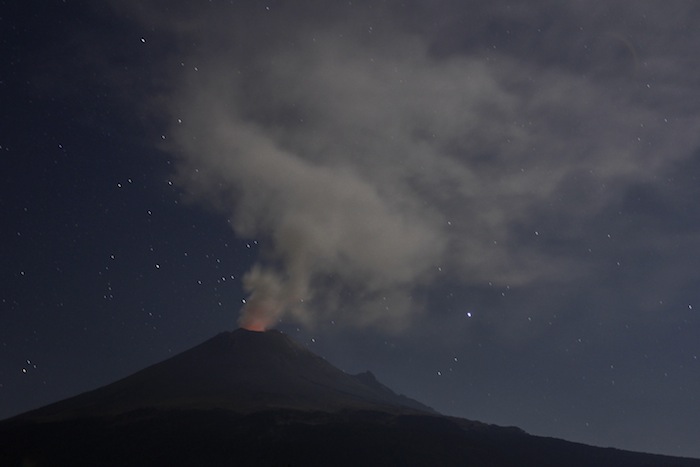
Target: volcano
248	398
241	371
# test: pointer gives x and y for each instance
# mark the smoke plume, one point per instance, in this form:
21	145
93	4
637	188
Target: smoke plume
369	166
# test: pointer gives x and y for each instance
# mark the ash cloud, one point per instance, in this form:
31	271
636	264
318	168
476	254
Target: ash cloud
372	154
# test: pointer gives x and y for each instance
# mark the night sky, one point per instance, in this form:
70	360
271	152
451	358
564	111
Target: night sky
491	205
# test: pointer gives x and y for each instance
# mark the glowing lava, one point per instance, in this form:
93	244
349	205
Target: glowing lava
254	325
256	318
260	312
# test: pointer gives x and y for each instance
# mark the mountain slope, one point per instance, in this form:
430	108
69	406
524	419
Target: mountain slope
249	399
179	438
243	371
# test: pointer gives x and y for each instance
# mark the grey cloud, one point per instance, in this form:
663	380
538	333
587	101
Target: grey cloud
366	162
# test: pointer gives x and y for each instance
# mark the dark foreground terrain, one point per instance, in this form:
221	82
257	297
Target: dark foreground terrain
295	438
248	398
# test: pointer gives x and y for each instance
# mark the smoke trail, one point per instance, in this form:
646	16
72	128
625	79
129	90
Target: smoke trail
368	167
321	223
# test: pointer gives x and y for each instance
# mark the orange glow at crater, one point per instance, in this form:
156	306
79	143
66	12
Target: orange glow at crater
260	313
254	325
255	318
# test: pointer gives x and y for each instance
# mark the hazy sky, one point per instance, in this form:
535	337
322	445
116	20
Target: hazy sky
491	205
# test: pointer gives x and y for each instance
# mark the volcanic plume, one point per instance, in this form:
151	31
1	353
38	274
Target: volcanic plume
270	297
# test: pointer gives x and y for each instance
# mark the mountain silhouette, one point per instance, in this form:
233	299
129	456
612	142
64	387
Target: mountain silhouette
246	398
243	371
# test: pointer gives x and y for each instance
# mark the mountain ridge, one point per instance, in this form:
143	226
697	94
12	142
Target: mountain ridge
252	398
240	370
